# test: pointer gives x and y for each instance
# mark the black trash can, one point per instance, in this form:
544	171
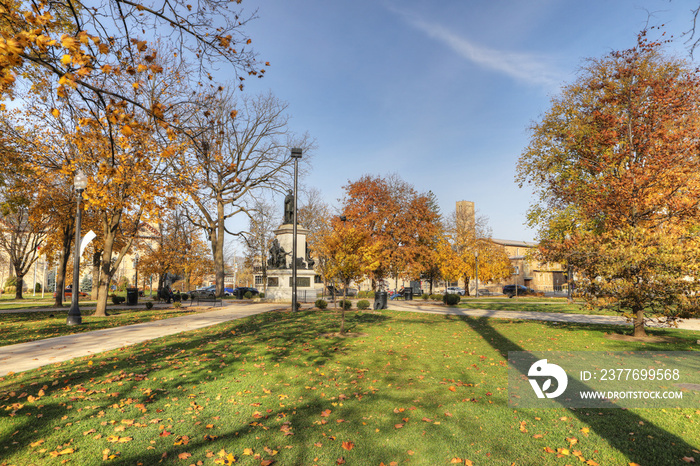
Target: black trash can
132	296
408	294
380	300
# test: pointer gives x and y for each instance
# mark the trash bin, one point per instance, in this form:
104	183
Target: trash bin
132	296
408	294
380	300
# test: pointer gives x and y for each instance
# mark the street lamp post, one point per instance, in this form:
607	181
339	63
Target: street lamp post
476	273
296	155
74	318
136	271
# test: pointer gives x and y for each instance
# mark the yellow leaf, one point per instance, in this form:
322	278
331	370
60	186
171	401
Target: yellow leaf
127	131
66	59
55	112
248	451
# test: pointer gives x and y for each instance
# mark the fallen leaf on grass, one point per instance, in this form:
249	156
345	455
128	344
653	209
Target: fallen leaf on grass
398	426
326	413
184	455
689	459
348	445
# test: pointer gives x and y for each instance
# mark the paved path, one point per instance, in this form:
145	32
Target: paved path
417	306
33	354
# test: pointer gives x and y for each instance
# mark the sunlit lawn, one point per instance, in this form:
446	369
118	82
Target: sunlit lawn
411	389
532	304
29	326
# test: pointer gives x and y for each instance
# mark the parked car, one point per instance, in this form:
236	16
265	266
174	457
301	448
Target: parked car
509	290
68	293
484	292
456	290
204	292
239	292
228	291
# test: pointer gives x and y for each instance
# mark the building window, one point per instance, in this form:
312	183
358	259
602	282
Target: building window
273	281
258	280
516	270
318	279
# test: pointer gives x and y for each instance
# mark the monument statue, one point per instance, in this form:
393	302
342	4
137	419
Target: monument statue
289	207
277	258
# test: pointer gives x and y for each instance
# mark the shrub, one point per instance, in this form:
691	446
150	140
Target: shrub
10	289
321	304
436	297
451	299
345	304
261	295
249	294
117	299
177	304
365	294
425	296
184	296
149	305
11	281
37	287
363	305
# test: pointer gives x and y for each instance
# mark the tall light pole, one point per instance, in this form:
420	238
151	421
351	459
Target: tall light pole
296	155
476	273
74	318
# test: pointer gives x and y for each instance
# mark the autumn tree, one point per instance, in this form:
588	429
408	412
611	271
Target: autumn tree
351	255
23	227
174	248
259	237
112	83
466	237
398	219
241	150
616	166
315	215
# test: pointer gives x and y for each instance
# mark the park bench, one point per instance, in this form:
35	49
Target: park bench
209	299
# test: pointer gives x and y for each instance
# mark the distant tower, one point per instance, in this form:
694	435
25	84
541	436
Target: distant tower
465	215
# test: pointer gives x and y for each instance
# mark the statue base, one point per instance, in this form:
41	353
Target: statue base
279	285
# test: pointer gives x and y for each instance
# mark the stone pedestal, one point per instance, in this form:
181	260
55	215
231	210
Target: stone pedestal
279	280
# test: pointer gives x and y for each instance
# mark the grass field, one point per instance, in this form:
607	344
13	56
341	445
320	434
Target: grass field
409	389
21	327
533	305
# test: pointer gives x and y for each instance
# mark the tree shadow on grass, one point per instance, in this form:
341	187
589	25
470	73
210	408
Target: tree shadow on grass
652	450
181	370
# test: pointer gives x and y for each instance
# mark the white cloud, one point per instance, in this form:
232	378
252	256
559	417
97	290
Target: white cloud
523	67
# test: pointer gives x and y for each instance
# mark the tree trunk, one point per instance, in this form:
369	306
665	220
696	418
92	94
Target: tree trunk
342	308
466	286
20	285
68	235
96	261
219	252
639	323
110	226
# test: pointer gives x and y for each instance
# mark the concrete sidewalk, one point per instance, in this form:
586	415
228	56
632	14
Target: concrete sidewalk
417	306
34	354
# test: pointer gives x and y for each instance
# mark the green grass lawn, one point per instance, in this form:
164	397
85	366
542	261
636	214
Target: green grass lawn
21	327
409	389
533	304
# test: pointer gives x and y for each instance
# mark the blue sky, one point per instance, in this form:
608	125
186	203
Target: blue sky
440	92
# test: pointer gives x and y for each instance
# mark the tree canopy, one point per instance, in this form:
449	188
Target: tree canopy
615	162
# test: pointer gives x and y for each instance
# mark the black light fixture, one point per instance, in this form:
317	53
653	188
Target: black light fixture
74	317
296	155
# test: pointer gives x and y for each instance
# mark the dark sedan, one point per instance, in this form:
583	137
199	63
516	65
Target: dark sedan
240	291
